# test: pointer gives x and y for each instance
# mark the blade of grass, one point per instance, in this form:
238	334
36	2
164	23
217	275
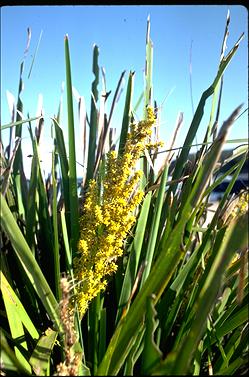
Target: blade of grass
29	263
148	69
93	117
134	354
232	368
102	333
198	115
19	123
34	56
234	321
9	361
68	253
151	353
132	266
15	323
209	291
130	325
93	320
32	193
236	348
10	296
40	358
147	93
64	170
8	170
12	108
18	171
73	198
133	262
155	226
44	229
126	114
209	162
212	125
115	97
56	253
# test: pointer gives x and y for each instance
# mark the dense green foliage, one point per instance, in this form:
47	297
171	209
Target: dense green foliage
178	302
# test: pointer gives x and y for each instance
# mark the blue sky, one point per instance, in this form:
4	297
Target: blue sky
119	32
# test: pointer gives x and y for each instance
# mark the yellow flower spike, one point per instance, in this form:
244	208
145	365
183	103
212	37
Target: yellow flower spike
108	216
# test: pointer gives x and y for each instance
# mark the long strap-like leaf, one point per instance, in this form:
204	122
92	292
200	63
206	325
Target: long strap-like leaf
29	263
73	196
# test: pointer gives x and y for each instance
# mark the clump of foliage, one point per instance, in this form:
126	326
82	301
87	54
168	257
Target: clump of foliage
124	274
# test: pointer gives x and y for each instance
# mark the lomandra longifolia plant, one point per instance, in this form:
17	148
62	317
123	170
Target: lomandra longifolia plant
127	274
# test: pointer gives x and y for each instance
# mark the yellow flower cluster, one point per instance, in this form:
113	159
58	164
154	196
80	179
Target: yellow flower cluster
108	215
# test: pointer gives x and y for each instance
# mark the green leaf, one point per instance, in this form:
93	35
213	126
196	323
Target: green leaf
148	69
32	197
7	169
127	114
229	350
44	229
199	114
10	297
155	225
115	97
209	287
156	283
19	122
40	358
93	117
34	56
102	333
15	319
9	361
20	183
73	196
68	253
215	150
151	353
134	353
56	253
231	323
132	266
232	368
147	92
60	144
28	261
